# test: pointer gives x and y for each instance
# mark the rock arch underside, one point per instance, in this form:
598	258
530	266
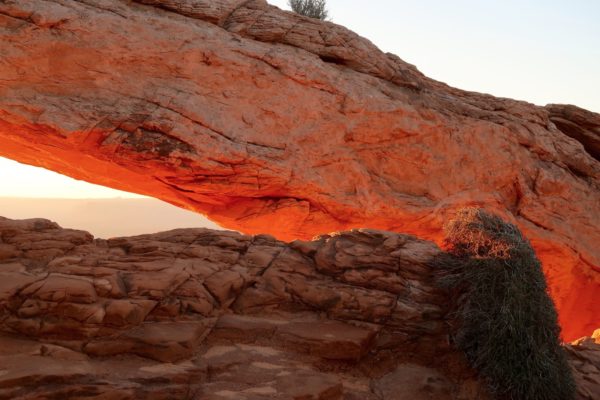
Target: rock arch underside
271	123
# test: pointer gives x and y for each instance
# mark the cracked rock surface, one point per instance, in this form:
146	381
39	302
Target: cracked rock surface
202	314
269	122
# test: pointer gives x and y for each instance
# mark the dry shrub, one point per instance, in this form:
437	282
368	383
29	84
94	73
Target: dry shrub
310	8
506	322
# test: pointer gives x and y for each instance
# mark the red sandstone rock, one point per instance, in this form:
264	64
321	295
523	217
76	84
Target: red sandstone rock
308	320
580	124
215	314
410	382
271	122
305	322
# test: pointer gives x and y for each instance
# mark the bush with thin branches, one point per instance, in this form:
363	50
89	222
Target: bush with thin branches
506	322
310	8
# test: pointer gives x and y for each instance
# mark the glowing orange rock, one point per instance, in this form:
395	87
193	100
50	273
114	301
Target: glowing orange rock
271	122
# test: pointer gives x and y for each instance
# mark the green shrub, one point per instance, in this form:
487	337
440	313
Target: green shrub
310	8
506	322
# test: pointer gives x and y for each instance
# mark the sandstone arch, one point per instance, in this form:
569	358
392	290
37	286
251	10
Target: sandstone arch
270	122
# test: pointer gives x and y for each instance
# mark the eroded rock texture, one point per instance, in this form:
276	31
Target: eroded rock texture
201	314
584	357
270	122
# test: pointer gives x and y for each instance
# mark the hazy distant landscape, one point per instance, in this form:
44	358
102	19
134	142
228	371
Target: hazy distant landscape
105	218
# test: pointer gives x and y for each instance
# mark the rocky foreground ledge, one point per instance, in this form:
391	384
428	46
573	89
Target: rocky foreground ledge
202	314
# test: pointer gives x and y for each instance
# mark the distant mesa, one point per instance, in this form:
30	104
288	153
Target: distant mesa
106	218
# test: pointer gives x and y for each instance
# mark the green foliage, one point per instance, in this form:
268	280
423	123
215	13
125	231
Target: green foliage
507	323
310	8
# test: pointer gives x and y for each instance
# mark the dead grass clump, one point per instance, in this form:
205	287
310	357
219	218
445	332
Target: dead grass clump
506	322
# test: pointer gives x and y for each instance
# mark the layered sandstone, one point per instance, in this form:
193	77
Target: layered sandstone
270	122
216	315
201	314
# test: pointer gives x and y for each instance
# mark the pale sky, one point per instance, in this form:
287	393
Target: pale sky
541	51
20	180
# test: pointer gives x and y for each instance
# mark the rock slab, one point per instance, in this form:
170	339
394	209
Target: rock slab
200	314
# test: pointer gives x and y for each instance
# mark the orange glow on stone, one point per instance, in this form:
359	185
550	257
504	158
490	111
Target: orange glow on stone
573	284
265	137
